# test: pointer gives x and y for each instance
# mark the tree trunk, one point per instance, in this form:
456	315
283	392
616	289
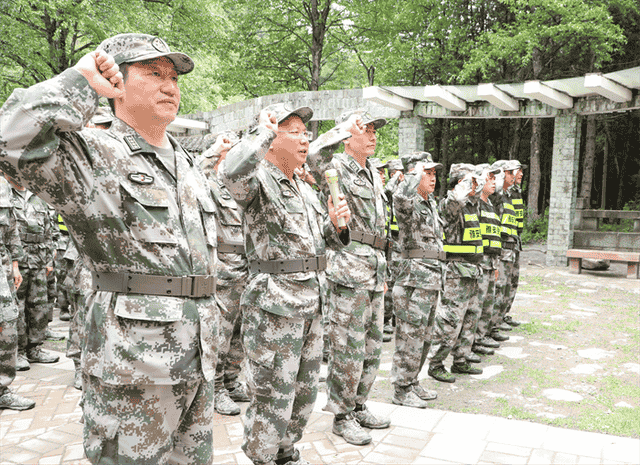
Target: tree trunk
514	145
605	167
534	168
589	159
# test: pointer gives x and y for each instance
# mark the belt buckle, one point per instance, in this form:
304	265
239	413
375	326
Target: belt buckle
202	286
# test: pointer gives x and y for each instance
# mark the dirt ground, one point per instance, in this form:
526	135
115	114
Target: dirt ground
574	362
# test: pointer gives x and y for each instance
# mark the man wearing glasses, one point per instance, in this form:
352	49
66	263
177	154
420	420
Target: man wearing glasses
285	229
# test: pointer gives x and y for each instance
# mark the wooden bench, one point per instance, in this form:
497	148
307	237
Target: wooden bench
632	259
589	243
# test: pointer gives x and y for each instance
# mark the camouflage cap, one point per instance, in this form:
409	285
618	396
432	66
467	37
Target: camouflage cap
410	160
506	165
486	168
520	165
132	48
284	110
102	116
460	170
365	115
377	163
395	165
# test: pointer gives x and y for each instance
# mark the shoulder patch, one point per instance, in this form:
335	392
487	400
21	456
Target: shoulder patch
132	143
140	178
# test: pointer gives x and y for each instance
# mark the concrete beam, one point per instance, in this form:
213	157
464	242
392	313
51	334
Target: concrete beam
607	88
384	97
445	98
548	95
497	97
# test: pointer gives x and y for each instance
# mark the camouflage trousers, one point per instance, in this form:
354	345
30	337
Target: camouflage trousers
148	424
355	334
77	311
393	269
414	325
486	299
503	290
514	280
283	356
8	353
32	307
455	322
230	353
62	268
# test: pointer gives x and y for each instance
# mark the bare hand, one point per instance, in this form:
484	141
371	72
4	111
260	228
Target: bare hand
103	74
222	144
354	125
17	276
342	211
268	120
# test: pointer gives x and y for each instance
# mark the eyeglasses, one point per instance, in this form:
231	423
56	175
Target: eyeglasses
305	134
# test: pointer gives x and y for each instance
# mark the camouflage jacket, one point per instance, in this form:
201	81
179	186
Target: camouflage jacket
498	199
452	213
35	228
358	265
283	220
420	227
489	261
126	213
10	245
232	267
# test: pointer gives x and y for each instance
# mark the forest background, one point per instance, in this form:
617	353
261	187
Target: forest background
245	49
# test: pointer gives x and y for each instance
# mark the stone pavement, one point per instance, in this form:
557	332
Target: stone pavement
51	434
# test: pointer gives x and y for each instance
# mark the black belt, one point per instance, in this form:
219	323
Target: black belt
509	245
32	238
376	242
176	286
296	265
230	247
421	253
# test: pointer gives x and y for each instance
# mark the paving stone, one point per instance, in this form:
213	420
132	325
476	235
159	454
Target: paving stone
499	457
565	459
582	460
509	449
448	447
406	442
474	427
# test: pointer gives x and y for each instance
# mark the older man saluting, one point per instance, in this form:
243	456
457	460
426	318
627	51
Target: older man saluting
142	216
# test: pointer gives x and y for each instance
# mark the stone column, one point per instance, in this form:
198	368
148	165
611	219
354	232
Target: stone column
410	133
564	186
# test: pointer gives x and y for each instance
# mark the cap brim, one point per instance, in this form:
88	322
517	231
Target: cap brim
183	63
305	114
437	166
377	123
101	120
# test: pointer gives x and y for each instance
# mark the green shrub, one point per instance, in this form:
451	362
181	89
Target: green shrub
620	225
535	229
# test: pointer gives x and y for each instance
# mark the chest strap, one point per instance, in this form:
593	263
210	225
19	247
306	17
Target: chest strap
175	286
296	265
32	238
231	247
374	241
421	253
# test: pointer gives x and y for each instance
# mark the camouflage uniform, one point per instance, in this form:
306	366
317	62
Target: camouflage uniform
356	276
490	226
232	279
281	311
395	262
10	250
419	282
457	315
143	224
518	205
62	266
34	224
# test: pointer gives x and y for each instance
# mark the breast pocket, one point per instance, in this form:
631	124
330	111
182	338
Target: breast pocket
294	221
362	196
208	212
146	213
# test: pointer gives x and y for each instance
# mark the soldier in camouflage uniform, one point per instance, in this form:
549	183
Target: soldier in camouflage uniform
285	227
518	206
492	243
61	269
56	298
142	217
457	314
36	234
232	279
10	253
419	282
356	276
501	199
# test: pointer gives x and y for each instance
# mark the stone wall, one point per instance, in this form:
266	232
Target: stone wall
410	133
564	185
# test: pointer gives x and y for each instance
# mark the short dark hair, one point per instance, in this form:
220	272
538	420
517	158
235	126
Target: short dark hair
124	69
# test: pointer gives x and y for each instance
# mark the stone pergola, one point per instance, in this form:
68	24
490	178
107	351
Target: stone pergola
564	100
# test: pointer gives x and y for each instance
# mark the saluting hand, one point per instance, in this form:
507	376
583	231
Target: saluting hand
268	120
103	74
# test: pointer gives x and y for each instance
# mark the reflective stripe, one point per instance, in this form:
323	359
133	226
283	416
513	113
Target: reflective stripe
471	234
467	249
489	229
468	217
61	225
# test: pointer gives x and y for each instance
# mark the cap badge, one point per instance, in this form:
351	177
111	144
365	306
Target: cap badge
140	178
160	45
